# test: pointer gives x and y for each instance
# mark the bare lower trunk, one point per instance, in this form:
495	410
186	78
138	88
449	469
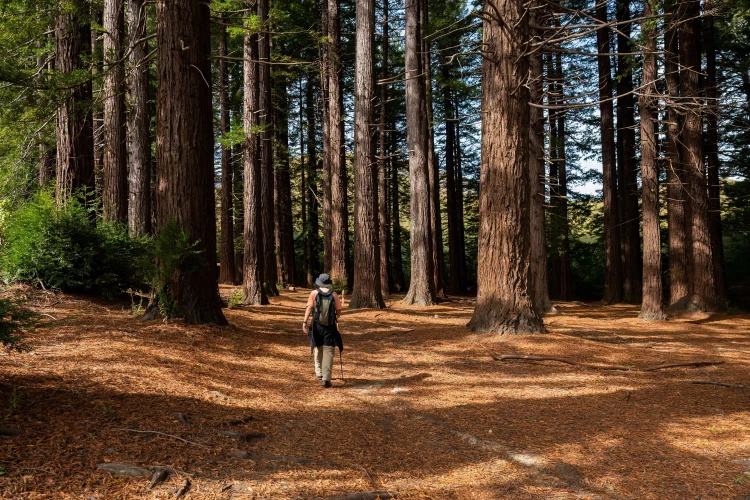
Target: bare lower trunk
139	141
253	266
367	292
701	259
311	186
421	287
566	282
184	172
283	189
504	303
74	136
613	260
457	282
386	279
554	91
652	308
226	260
399	282
115	179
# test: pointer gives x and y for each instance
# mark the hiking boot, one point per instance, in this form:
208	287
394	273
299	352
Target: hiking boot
326	383
319	377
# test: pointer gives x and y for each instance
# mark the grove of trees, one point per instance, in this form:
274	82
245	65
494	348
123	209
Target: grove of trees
522	151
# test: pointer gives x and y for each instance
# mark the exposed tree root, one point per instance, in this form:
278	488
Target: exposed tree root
183	489
712	382
166	435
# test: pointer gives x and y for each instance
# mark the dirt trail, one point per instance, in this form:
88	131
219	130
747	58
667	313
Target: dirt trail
423	411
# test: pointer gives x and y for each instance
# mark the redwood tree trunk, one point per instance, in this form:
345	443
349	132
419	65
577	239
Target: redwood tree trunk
74	135
676	195
566	282
253	265
367	292
339	209
460	193
701	264
115	179
312	230
628	188
399	282
554	88
325	75
138	123
386	278
421	287
613	260
184	169
283	188
712	153
652	308
504	300
226	274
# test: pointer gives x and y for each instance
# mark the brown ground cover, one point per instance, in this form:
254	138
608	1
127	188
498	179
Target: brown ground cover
423	410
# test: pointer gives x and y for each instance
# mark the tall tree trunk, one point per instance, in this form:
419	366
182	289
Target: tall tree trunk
566	282
339	208
226	259
97	108
457	282
138	122
74	141
421	287
460	193
115	180
312	230
367	292
399	282
701	260
283	188
613	261
554	89
386	279
436	225
46	153
676	195
626	160
652	308
266	149
504	300
325	75
253	265
184	171
712	153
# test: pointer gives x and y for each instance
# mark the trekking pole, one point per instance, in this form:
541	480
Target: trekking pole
341	362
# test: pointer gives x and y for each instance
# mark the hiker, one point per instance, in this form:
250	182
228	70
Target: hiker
325	304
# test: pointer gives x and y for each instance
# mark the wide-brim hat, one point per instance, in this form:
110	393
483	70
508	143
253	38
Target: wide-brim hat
323	280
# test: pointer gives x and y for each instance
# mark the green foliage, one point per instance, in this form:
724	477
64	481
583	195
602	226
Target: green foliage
69	249
171	255
235	300
14	318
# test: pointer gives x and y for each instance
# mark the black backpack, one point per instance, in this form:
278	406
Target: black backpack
325	309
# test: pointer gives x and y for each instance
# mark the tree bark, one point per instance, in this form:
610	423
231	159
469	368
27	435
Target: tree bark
185	174
283	188
701	260
226	274
613	260
339	205
554	87
312	229
538	280
421	287
628	188
652	308
325	75
266	150
97	107
460	192
712	153
399	282
138	122
253	266
367	292
566	283
676	195
74	135
504	303
115	180
386	278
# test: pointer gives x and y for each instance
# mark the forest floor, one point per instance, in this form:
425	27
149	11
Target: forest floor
423	410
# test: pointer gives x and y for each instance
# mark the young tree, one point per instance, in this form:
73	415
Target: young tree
138	122
652	308
421	287
504	300
367	292
227	268
701	266
75	141
184	160
613	259
339	211
115	175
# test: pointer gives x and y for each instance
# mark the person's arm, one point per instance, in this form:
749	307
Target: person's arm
337	303
308	309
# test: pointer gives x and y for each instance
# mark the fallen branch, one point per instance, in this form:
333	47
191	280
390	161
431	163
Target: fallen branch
532	357
366	495
159	476
183	489
166	435
712	382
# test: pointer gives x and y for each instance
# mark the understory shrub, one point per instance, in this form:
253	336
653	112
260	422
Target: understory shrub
13	319
69	249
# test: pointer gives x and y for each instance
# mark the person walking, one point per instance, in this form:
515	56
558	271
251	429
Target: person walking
325	306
